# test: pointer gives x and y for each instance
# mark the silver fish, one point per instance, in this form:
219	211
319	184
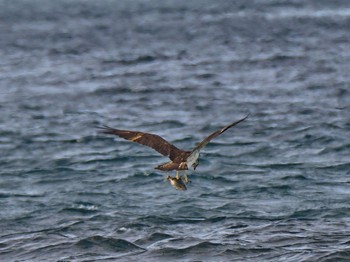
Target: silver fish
177	182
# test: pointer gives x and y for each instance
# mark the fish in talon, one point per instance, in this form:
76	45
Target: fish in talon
177	183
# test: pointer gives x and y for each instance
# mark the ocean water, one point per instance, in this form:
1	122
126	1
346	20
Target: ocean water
276	187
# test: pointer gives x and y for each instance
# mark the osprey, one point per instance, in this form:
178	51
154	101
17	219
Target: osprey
180	159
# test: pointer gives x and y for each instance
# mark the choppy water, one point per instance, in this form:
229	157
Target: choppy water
274	188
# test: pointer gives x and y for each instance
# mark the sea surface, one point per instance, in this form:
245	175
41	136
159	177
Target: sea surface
276	187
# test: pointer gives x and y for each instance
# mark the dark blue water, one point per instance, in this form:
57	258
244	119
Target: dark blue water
274	188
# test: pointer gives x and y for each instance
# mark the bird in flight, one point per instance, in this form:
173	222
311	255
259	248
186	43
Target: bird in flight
180	159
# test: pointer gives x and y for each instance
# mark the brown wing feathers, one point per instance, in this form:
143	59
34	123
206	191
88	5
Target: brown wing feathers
216	133
161	145
154	141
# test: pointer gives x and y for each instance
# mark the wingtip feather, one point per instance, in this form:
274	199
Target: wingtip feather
104	129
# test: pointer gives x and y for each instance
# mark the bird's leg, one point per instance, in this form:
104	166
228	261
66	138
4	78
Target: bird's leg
177	174
186	179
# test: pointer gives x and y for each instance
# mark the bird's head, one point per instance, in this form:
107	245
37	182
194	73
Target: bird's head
192	159
195	164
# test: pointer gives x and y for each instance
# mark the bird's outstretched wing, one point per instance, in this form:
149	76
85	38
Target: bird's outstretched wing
215	134
154	141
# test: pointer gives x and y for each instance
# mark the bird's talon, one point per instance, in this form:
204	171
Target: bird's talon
186	179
